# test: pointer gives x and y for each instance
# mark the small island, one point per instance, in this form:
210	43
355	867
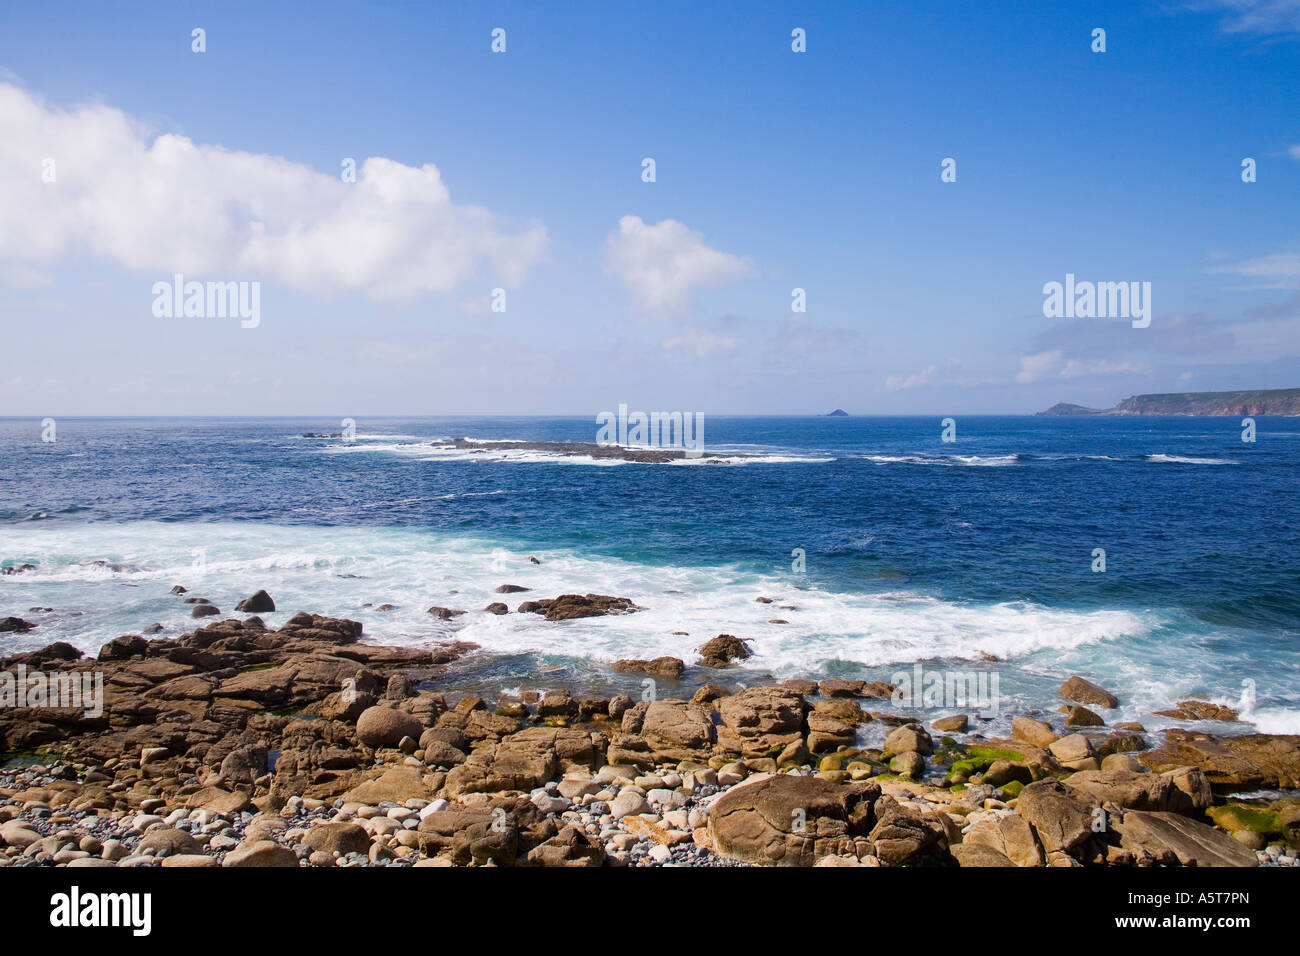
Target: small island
838	413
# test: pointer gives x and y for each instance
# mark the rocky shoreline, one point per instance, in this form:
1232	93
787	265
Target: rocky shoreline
238	745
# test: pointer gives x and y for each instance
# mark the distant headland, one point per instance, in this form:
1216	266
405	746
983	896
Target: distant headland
1272	401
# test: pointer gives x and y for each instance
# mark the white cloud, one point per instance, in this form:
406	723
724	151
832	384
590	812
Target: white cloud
1043	366
1294	151
703	344
662	264
168	205
1278	271
1257	17
923	377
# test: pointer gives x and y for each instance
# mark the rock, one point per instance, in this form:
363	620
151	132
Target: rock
261	853
788	820
496	607
1199	710
1060	821
836	687
722	650
909	738
511	589
15	625
395	785
1071	749
570	847
1124	790
1170	838
676	730
205	610
761	721
901	835
191	861
627	803
1246	762
668	667
163	840
1033	732
259	603
471	835
382	726
950	725
569	606
1079	716
338	838
1085	692
444	613
1122	761
910	765
219	801
123	648
1007	833
975	854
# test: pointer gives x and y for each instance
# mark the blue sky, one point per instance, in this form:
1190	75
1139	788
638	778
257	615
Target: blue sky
775	170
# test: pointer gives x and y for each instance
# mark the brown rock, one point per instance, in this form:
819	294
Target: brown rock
1085	692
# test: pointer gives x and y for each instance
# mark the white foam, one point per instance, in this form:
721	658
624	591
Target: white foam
303	568
1183	460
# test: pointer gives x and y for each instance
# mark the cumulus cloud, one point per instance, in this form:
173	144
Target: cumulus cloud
165	205
662	264
1043	366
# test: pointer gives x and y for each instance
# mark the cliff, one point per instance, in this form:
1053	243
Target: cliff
1273	401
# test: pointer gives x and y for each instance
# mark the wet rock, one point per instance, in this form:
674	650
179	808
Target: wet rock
722	650
570	606
444	613
1085	692
496	607
1246	762
258	603
666	667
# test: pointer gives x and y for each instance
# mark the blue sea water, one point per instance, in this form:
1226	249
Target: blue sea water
914	550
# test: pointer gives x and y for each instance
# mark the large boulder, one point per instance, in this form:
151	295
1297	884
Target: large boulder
761	721
382	726
722	650
789	820
677	730
1059	820
522	761
902	835
338	838
1178	791
1083	691
1009	834
1172	838
570	847
259	603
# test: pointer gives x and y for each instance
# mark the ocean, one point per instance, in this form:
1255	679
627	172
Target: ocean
977	555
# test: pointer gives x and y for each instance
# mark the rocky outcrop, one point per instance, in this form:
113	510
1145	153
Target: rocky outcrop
1169	838
668	667
1247	762
785	820
570	606
761	722
722	650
